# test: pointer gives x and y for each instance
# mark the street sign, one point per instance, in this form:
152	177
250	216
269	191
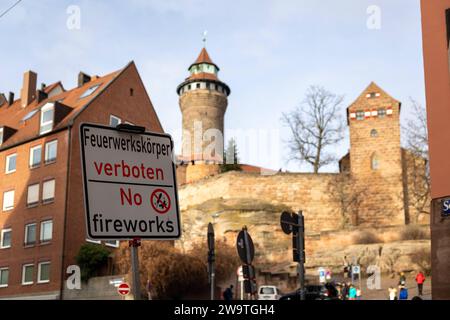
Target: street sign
286	221
322	275
356	269
245	247
446	208
123	289
130	188
240	274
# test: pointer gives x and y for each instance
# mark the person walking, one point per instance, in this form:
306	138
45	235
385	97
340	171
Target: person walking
402	281
344	291
392	293
420	279
352	293
403	295
228	293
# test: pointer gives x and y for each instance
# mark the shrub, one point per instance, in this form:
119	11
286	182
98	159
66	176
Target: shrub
413	232
422	258
90	258
366	237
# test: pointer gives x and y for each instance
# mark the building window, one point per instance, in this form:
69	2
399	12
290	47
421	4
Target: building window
51	150
44	272
4	277
5	239
30	234
47	118
46	231
381	112
208	85
8	200
375	163
112	243
11	162
48	191
35	156
114	121
1	136
197	85
189	87
27	274
89	91
33	195
374	133
359	115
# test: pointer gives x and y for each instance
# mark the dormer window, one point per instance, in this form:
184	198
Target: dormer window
47	115
89	91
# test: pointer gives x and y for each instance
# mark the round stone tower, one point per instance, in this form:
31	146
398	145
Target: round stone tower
203	102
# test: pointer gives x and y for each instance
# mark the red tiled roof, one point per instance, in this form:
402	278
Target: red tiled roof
203	57
11	116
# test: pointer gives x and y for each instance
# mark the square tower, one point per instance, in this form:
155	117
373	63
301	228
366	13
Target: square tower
375	157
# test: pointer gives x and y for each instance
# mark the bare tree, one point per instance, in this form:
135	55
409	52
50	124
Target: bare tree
417	165
315	125
349	195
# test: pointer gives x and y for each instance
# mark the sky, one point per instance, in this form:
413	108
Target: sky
269	53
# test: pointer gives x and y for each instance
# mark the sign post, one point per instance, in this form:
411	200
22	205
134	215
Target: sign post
130	189
246	252
211	258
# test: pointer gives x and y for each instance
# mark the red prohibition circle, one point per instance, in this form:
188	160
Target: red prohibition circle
123	289
160	206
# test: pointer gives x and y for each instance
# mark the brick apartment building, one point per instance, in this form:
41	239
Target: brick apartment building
436	52
42	223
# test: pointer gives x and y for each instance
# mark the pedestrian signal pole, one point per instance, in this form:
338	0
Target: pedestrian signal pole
294	223
211	257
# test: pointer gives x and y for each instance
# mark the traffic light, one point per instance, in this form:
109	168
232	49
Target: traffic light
248	272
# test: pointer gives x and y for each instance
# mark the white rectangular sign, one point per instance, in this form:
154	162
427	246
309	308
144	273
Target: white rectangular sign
130	188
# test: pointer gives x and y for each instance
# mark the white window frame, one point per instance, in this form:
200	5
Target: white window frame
116	118
8	159
26	234
23	274
33	204
31	156
2	132
39	272
47	146
48	200
11	207
3	269
2	236
45	109
93	241
41	231
109	244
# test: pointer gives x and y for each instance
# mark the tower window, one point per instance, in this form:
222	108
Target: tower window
381	112
375	162
374	133
208	85
198	86
189	87
359	115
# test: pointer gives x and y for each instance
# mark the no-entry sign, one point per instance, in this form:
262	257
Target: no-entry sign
130	186
123	289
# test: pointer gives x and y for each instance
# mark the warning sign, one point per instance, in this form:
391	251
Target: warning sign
129	184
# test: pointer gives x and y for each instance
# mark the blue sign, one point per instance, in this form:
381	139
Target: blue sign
446	208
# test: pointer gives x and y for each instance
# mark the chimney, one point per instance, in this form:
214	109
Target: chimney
83	78
2	99
28	93
11	98
41	95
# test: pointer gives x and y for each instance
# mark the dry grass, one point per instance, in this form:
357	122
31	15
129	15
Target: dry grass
366	237
413	232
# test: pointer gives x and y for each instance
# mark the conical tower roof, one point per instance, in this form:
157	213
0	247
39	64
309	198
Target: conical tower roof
203	57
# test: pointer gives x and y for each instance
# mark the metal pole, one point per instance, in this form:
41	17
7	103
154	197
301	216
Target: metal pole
247	247
212	280
301	250
136	287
